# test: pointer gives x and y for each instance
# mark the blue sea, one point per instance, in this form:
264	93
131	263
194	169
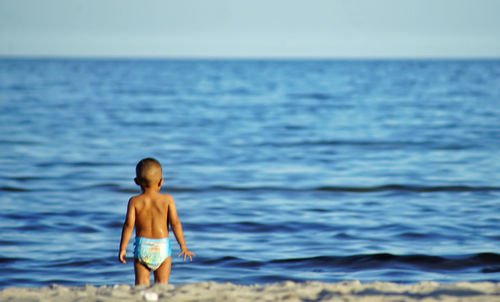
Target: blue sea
299	170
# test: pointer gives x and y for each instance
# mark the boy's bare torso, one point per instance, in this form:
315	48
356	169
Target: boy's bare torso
151	214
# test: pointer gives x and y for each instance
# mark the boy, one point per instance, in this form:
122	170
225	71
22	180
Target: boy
151	212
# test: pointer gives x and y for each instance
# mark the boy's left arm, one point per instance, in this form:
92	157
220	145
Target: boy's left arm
128	227
177	229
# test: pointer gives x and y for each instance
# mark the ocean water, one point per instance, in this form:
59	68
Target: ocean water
281	170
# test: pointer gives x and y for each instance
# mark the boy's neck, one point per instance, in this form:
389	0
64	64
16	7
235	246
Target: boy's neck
150	190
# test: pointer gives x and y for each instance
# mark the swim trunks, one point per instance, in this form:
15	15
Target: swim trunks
152	252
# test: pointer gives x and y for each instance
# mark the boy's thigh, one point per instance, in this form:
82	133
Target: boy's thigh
163	272
141	272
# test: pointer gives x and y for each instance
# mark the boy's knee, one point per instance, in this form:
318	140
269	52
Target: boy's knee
163	280
142	282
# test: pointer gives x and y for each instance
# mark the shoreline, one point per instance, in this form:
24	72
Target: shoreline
282	291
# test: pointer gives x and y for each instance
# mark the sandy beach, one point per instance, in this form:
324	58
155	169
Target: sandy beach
284	291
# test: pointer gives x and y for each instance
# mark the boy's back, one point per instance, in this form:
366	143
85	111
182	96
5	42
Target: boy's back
151	211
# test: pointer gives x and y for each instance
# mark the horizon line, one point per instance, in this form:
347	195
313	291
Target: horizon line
244	58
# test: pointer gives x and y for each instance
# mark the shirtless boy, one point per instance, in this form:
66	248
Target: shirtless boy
151	212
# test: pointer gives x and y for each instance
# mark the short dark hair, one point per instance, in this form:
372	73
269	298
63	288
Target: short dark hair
142	167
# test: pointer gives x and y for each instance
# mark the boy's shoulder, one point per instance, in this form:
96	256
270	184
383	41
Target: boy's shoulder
142	196
136	197
166	196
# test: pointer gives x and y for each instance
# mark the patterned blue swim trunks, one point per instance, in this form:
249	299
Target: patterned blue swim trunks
152	252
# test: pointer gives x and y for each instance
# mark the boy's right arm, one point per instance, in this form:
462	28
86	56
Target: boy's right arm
128	227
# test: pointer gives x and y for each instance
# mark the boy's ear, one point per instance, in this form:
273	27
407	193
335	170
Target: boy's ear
160	182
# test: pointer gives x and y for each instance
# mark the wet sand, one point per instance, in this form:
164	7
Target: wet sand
284	291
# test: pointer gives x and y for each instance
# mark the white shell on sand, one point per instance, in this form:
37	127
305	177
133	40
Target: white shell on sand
284	291
150	296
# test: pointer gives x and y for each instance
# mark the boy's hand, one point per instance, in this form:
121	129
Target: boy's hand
187	253
121	256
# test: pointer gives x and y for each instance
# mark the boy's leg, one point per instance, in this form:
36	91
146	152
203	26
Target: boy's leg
141	273
163	272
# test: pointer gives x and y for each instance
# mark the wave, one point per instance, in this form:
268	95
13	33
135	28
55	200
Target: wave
369	189
9	260
144	91
374	144
13	189
397	187
340	189
481	262
313	95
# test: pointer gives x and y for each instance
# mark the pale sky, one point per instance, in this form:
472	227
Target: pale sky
251	28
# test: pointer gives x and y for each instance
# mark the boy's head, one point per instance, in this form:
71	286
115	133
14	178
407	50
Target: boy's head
148	173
